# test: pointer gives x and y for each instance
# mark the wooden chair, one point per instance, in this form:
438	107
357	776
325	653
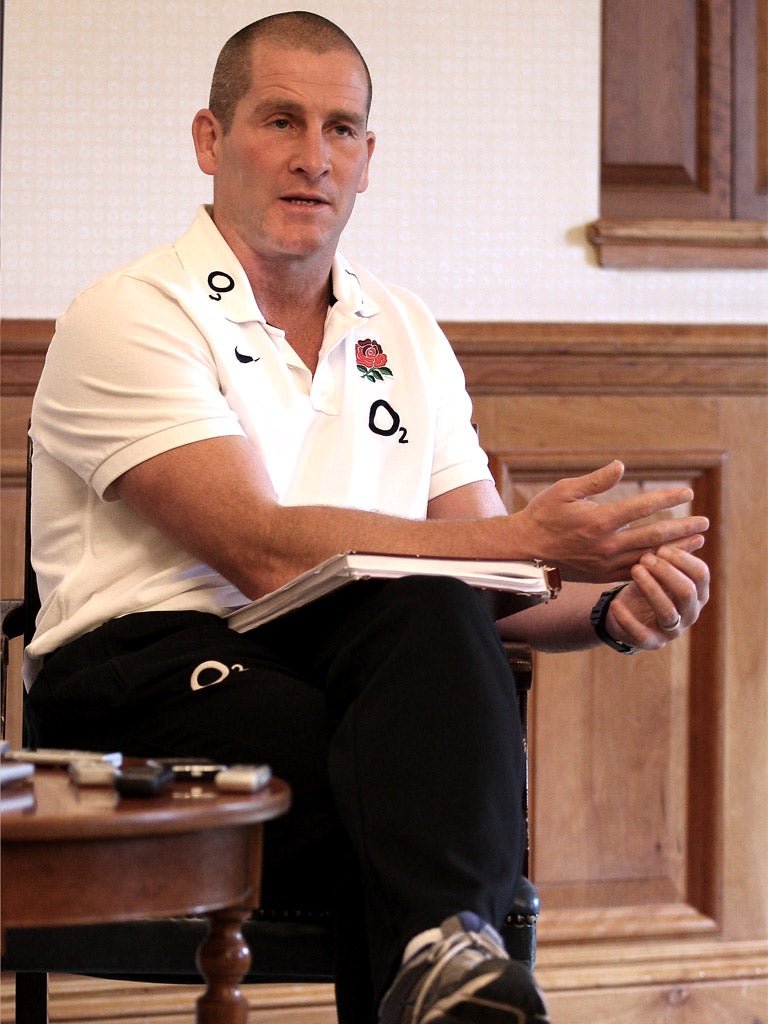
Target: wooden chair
287	946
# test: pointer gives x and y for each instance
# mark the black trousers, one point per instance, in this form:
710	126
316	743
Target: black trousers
390	709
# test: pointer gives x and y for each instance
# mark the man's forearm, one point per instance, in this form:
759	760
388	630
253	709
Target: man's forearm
215	499
560	625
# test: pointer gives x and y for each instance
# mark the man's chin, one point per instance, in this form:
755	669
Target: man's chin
307	246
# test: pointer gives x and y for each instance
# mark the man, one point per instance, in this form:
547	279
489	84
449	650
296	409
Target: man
208	425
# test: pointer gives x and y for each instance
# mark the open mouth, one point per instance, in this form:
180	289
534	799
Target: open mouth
304	201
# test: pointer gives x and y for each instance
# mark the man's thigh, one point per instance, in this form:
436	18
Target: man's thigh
179	684
183	684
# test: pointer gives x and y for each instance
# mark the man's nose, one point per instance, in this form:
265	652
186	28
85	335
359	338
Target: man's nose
312	155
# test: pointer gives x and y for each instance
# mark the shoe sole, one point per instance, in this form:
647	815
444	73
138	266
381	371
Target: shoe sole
467	1006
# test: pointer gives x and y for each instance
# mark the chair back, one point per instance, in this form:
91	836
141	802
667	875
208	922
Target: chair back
31	593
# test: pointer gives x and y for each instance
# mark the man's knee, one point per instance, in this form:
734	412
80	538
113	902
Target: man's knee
436	609
436	596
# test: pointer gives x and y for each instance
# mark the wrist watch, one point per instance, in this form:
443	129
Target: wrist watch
598	616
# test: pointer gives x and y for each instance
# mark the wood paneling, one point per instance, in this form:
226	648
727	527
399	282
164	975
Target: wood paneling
649	794
112	1002
648	848
666	149
684	142
750	109
629	803
546	359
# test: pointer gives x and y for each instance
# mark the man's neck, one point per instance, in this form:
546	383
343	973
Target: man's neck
292	294
285	288
297	311
284	301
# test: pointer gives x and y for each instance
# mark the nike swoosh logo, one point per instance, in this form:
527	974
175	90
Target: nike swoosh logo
242	358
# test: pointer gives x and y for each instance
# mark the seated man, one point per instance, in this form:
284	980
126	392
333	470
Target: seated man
208	425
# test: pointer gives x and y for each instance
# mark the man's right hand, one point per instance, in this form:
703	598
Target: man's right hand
599	542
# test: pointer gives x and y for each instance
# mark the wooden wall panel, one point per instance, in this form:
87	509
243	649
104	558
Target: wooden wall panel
684	142
648	781
750	110
626	772
666	109
635	811
648	846
112	1002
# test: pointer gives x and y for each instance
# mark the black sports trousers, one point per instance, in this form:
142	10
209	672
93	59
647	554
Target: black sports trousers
388	706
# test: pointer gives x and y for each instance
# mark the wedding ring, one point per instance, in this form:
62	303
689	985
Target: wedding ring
673	627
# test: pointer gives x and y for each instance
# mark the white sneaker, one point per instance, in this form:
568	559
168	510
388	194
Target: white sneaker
465	977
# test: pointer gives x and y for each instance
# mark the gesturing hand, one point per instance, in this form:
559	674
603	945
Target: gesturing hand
600	542
666	595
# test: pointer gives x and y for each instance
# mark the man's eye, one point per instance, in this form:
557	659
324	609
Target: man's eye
281	122
343	129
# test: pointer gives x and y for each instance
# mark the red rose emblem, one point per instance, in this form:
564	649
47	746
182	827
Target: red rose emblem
371	361
370	354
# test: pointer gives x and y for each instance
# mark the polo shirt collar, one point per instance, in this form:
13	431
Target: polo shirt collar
210	262
348	291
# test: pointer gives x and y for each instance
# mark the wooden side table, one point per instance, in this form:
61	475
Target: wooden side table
84	855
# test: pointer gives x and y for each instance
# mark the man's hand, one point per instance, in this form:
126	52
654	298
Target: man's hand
597	542
666	595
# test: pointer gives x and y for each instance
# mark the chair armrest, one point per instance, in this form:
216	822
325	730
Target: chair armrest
520	658
527	904
519	928
12	617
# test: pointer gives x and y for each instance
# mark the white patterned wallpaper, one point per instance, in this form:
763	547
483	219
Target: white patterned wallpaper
485	173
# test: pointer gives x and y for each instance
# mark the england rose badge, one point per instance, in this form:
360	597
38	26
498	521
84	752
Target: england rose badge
371	360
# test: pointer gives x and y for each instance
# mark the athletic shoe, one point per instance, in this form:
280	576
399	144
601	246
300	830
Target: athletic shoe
464	977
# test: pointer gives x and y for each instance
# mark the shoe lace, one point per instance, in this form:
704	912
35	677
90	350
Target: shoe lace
445	952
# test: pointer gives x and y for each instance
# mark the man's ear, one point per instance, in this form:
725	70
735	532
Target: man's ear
370	141
206	132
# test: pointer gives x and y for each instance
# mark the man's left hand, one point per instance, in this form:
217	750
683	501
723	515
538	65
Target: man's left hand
668	590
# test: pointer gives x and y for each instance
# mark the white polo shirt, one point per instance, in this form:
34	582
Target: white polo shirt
173	349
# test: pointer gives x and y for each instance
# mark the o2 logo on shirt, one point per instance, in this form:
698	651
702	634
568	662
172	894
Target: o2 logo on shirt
219	282
384	420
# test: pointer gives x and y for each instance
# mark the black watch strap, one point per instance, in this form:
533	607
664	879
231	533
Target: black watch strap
597	617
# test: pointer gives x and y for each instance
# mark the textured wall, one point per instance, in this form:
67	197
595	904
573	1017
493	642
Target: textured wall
485	174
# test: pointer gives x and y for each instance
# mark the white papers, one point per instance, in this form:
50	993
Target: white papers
525	583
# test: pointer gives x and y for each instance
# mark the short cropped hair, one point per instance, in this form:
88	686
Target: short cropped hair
294	29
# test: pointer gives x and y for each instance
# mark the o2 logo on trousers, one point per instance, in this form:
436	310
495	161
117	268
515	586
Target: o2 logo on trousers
209	673
383	420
